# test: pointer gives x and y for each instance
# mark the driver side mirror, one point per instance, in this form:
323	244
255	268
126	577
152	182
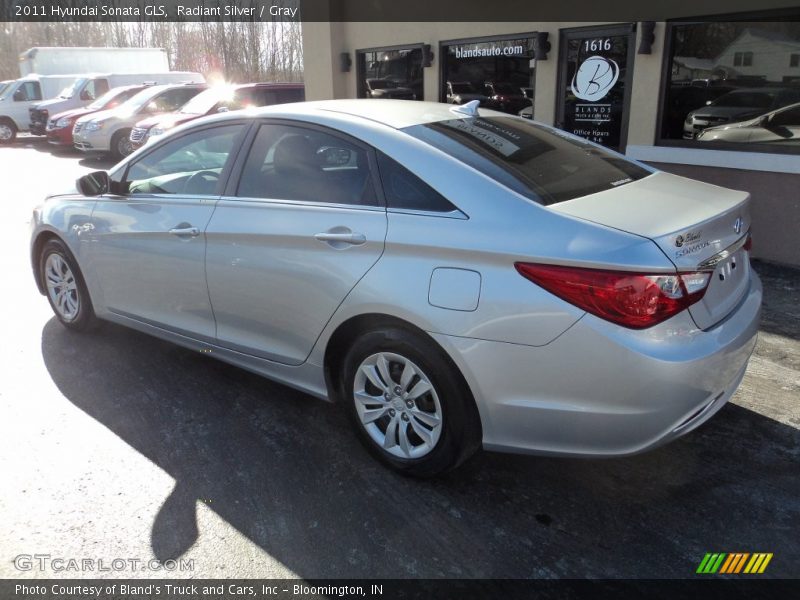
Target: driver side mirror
94	184
19	95
87	95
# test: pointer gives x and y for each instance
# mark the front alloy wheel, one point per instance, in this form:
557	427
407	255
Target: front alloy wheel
65	288
397	405
7	132
62	288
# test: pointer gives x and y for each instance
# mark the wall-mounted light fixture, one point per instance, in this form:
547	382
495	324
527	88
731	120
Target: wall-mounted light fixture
540	45
345	62
648	37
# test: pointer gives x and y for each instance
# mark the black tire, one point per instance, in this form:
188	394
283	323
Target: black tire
84	318
9	131
460	434
117	141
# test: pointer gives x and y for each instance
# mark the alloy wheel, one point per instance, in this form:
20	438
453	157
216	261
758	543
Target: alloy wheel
62	287
6	133
397	405
124	147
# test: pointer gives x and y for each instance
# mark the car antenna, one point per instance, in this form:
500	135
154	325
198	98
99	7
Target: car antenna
470	108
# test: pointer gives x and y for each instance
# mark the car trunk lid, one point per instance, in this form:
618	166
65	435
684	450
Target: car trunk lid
698	226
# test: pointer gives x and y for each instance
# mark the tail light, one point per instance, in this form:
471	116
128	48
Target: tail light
633	300
748	245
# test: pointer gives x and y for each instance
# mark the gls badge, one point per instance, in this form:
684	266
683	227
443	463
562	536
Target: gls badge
594	78
738	224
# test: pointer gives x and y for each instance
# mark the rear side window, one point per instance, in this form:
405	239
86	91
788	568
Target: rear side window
406	191
287	162
541	164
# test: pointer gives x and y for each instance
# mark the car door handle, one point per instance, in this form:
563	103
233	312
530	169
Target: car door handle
185	231
335	238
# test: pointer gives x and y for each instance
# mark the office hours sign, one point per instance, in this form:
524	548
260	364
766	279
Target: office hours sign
594	79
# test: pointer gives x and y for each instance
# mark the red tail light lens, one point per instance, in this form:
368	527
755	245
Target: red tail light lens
633	300
748	245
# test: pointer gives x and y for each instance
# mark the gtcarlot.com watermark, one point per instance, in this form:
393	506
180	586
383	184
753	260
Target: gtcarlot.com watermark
59	564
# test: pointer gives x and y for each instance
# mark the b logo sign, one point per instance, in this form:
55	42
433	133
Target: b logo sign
594	78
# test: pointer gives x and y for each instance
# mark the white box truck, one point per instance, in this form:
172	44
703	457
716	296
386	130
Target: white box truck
85	89
56	61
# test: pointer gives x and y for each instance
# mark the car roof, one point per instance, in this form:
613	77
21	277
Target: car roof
394	113
759	90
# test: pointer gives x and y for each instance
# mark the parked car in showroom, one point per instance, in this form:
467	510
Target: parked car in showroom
738	105
59	128
388	89
218	98
779	127
461	92
454	277
108	131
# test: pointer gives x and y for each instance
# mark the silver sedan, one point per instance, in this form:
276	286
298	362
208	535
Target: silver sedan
455	277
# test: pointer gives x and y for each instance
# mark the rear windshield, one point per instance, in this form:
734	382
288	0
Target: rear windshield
541	164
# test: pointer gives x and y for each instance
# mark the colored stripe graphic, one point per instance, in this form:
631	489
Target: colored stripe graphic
711	563
728	563
734	563
758	563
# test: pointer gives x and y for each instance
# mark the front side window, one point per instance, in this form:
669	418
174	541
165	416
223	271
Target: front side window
724	78
191	164
172	100
295	163
543	165
789	117
94	89
28	92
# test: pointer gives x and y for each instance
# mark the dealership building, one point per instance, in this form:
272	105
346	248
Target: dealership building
715	98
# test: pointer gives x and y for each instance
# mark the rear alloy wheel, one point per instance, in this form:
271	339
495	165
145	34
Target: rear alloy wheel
66	290
121	145
409	403
397	405
8	132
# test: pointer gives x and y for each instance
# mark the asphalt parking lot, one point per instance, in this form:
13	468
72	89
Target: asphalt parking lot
117	445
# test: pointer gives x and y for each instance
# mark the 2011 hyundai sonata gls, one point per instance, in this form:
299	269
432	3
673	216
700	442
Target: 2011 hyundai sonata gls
457	277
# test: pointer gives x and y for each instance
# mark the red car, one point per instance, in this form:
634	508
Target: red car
59	127
219	98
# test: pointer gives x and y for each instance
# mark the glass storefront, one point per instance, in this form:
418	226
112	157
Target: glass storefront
496	72
594	83
390	73
734	85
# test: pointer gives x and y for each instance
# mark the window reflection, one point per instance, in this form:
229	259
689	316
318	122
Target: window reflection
736	82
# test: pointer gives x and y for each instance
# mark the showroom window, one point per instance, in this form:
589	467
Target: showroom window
732	85
496	71
390	73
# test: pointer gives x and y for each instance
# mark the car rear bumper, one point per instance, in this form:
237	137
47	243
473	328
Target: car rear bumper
602	390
